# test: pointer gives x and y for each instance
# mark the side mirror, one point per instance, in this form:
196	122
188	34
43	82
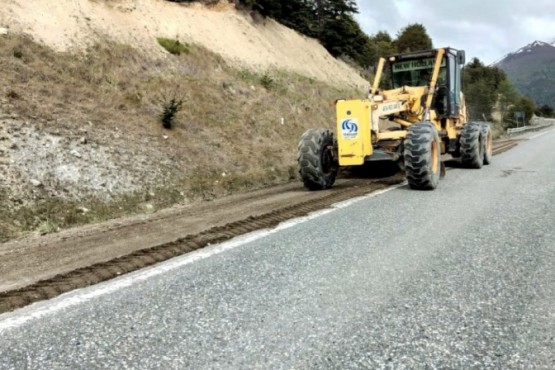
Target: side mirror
461	59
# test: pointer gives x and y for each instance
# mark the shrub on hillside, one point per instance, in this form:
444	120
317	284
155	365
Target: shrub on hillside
173	46
267	81
170	108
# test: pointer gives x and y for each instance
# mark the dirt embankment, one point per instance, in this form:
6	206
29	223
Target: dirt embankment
261	45
85	82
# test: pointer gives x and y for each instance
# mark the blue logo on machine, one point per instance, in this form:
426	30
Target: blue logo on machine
349	128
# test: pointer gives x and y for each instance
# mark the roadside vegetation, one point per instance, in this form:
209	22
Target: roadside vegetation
173	46
231	129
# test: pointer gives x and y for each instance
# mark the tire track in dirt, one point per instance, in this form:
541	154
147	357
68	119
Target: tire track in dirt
99	272
504	146
50	288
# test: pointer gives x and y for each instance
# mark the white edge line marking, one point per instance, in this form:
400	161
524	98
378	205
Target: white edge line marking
40	309
540	134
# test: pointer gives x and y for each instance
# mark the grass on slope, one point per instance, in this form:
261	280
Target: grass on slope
228	137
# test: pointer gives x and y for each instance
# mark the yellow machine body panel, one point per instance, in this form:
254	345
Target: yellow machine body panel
353	131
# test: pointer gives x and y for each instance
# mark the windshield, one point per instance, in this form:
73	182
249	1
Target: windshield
415	72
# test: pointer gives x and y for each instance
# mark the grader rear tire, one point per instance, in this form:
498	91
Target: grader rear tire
472	145
317	160
488	143
422	156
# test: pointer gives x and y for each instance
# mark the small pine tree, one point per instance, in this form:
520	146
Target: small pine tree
170	108
413	37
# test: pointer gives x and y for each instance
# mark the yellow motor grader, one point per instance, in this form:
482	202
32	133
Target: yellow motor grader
420	119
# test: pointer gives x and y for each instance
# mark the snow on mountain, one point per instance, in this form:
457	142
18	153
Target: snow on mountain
528	49
532	71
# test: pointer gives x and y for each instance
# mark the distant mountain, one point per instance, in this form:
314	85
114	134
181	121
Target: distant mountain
532	70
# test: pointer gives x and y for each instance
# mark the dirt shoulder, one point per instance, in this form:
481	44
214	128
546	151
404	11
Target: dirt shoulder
29	260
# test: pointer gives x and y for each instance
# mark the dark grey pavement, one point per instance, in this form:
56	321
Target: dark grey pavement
460	277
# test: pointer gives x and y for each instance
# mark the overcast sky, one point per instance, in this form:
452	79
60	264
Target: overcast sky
487	29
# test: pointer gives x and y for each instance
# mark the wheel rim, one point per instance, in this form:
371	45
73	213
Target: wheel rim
489	144
435	161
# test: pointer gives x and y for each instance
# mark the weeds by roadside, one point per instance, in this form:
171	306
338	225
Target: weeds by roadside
265	79
48	227
243	123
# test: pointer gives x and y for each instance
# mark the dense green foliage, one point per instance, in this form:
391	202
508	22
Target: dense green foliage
523	104
545	111
413	38
488	87
481	84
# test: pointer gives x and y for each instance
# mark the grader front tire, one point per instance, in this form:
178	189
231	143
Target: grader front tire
317	160
422	156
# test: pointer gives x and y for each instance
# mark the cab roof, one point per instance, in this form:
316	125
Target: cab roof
421	54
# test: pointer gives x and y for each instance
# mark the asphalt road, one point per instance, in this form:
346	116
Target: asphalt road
459	277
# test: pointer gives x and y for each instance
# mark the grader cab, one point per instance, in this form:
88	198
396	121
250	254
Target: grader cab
416	123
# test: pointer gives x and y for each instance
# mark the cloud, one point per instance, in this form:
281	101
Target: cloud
485	29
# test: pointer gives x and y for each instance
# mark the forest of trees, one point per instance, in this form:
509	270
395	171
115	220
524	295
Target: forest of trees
332	22
486	87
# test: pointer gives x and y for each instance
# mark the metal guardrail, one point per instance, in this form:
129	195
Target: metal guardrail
511	131
537	126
